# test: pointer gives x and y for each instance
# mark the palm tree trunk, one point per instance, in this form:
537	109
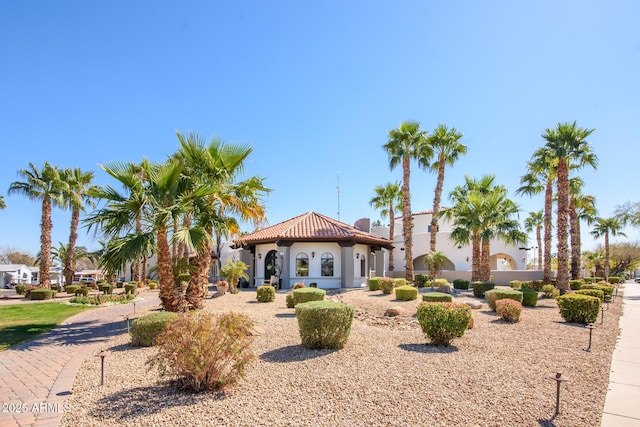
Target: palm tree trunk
69	264
475	258
407	220
137	269
539	241
485	261
197	288
436	209
392	230
574	233
548	217
46	226
171	295
606	257
562	230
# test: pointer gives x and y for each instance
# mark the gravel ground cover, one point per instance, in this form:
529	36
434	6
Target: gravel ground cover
497	374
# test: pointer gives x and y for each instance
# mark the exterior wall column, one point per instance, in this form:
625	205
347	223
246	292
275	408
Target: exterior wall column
346	270
380	263
284	252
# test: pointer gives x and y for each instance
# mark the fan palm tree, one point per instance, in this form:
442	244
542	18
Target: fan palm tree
3	205
534	222
581	208
406	143
435	260
233	271
388	200
605	227
568	145
61	254
44	185
447	149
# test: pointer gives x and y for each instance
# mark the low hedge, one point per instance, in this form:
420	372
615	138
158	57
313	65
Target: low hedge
303	295
614	280
374	283
266	293
82	291
442	322
105	288
436	297
576	308
153	284
588	280
146	329
592	292
21	289
533	284
530	297
406	293
387	285
575	284
400	281
130	288
421	280
289	300
461	284
324	324
71	289
479	288
494	295
515	284
42	293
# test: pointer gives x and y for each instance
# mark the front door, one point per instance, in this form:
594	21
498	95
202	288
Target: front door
270	264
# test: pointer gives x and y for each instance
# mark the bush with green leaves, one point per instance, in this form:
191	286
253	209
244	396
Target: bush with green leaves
21	289
533	284
592	292
461	284
588	280
494	295
105	288
607	289
549	291
479	288
387	285
599	279
302	295
71	289
442	322
509	310
83	291
146	329
440	282
576	308
289	300
204	351
55	288
421	280
575	284
374	283
324	324
130	288
614	280
529	297
400	281
515	284
266	293
406	293
42	293
101	299
436	297
153	284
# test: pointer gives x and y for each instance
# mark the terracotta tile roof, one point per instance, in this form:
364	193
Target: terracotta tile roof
427	212
309	227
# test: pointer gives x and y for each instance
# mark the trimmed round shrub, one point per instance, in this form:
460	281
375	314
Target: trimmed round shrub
406	293
324	324
440	282
303	295
607	289
387	285
529	297
421	280
479	288
532	284
374	283
153	284
614	280
548	291
461	284
577	308
71	289
587	280
289	300
55	288
591	292
105	288
130	288
442	322
575	284
515	284
82	291
298	285
41	293
400	281
494	295
509	310
146	329
21	289
266	293
436	297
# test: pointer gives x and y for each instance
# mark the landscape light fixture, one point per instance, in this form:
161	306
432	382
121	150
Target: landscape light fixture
558	379
102	355
259	256
313	254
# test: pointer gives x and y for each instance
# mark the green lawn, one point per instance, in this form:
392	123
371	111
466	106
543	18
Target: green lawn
22	322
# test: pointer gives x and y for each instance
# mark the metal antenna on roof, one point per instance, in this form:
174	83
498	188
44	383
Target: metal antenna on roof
338	188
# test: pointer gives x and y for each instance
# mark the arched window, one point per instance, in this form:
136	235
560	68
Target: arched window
326	264
302	265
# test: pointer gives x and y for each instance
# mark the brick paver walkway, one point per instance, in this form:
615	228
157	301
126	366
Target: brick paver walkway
37	376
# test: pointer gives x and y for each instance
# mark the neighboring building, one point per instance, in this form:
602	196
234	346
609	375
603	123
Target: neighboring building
313	248
11	274
55	274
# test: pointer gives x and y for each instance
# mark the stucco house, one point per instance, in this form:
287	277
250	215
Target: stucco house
313	248
14	274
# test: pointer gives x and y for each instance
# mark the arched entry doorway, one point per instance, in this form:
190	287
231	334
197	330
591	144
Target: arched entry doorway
271	266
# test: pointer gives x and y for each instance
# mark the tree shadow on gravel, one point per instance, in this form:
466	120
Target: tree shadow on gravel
293	353
428	348
378	295
547	423
285	315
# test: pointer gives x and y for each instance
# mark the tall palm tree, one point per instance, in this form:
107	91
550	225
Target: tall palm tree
447	149
581	208
3	205
76	196
406	143
605	227
540	177
567	143
534	222
388	200
61	254
44	185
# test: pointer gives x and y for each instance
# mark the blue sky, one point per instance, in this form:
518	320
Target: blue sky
315	88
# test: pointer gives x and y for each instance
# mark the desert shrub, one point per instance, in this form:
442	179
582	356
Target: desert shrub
591	292
374	283
21	289
614	280
307	294
204	351
532	284
509	310
400	281
494	295
41	293
529	297
266	293
588	280
406	293
298	285
607	289
146	329
515	284
153	284
461	284
440	282
289	300
105	288
324	324
82	291
548	290
598	279
387	285
479	288
442	322
576	308
71	289
55	288
130	288
436	297
134	282
421	280
184	277
575	284
101	299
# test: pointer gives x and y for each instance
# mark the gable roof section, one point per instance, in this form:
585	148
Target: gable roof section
311	227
